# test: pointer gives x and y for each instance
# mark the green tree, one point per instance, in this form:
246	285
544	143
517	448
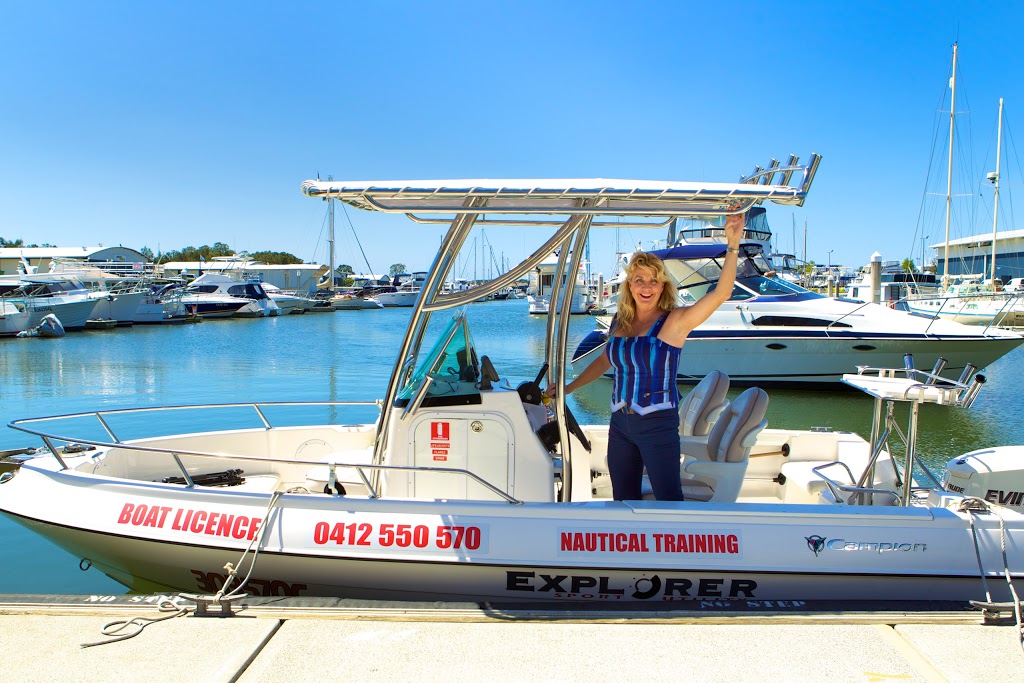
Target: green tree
396	268
218	249
281	258
908	265
12	243
147	253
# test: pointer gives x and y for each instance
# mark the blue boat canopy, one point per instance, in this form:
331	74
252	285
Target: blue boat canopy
697	251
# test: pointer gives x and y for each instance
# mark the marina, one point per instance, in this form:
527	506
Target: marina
463	470
435	507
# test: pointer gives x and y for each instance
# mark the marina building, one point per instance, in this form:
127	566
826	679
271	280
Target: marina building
973	255
119	260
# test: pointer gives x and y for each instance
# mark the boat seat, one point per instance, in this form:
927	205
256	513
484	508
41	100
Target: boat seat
720	459
803	485
702	406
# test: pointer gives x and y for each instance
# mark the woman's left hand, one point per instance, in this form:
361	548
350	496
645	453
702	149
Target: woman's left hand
734	228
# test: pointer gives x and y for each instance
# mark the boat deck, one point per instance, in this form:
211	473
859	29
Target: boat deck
285	639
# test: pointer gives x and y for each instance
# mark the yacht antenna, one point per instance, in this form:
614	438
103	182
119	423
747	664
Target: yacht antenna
995	179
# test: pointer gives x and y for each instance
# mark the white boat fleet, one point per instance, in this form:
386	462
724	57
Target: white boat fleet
468	487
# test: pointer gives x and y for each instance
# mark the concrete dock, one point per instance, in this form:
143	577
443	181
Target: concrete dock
305	639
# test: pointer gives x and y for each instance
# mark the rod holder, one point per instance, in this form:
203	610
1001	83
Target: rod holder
940	365
966	374
972	391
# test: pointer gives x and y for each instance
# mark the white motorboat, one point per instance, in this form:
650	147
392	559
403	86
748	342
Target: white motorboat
118	298
43	294
14	318
287	302
213	295
404	294
352	302
773	332
463	488
970	302
538	303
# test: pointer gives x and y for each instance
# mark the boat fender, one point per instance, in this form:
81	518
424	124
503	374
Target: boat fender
333	483
337	487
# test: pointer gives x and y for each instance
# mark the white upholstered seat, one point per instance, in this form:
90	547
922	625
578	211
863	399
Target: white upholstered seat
702	406
720	459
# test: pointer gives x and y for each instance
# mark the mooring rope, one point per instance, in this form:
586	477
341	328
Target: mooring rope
114	629
972	505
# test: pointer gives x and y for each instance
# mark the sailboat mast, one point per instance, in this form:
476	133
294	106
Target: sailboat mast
949	170
995	208
330	240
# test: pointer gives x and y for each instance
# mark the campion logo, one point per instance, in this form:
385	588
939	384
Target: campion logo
815	543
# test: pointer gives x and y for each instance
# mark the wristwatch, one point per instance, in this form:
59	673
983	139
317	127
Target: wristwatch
733	250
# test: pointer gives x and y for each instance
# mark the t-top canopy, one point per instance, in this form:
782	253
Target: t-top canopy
573	196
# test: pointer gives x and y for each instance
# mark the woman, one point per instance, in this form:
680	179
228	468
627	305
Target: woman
643	349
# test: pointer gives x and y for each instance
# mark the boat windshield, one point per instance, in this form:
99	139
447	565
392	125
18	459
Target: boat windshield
697	276
451	365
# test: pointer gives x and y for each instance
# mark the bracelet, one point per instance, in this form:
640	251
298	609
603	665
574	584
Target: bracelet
733	250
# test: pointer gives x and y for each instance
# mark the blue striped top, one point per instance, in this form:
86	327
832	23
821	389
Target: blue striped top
644	371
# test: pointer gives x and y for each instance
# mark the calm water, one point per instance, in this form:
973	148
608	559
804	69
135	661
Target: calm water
347	356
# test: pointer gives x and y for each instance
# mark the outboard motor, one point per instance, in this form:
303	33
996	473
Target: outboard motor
992	474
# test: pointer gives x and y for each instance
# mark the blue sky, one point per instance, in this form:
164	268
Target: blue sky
175	124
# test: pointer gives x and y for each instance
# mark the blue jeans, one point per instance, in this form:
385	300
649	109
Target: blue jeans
637	441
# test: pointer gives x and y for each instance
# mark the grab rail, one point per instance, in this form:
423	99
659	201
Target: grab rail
176	453
835	487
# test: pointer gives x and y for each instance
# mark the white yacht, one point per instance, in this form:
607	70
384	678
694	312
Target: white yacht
543	282
288	302
405	293
772	332
118	298
349	301
970	301
14	318
213	295
43	294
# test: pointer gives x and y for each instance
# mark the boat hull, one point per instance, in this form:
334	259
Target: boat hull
159	537
813	360
72	314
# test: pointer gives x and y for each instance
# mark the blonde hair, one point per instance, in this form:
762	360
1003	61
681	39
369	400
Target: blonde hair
668	300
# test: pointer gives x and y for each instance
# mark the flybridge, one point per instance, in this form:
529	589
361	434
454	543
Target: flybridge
787	185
